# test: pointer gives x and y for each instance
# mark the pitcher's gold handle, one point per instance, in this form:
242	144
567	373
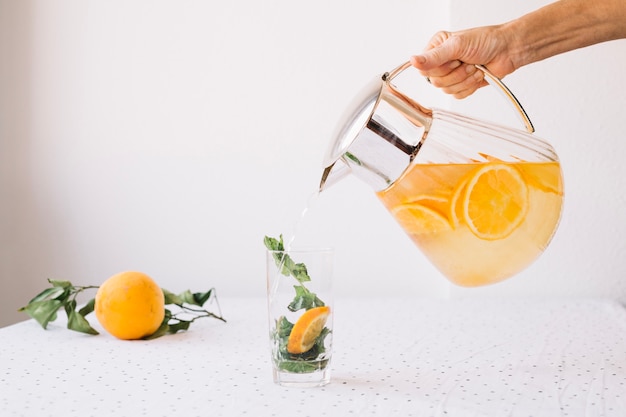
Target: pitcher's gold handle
492	80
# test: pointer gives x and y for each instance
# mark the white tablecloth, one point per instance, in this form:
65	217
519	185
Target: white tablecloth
392	357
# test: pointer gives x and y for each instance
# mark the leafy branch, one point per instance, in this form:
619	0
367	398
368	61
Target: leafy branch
304	298
45	305
181	320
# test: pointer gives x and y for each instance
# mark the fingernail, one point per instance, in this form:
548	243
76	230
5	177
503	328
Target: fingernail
470	69
417	59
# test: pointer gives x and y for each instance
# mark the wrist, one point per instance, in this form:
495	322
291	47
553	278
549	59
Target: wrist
511	34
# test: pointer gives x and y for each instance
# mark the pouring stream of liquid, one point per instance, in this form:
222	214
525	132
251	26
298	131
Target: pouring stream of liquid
294	232
296	227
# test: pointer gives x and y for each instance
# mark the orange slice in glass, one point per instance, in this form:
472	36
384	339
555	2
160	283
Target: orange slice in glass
495	201
306	330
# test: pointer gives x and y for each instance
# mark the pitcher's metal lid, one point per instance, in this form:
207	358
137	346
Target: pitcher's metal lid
377	137
353	120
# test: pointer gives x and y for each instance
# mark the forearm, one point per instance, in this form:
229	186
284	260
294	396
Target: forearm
564	26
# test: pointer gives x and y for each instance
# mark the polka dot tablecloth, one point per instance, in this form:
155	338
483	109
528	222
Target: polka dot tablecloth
392	357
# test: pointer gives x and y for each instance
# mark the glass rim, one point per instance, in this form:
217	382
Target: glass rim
304	249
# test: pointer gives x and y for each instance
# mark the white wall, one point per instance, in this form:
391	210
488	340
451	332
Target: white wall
169	137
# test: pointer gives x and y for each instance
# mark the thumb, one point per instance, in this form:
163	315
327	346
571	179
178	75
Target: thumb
434	57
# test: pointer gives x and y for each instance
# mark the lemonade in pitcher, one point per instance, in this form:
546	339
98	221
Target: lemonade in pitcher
478	223
481	200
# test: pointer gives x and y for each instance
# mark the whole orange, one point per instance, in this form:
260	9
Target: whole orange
130	305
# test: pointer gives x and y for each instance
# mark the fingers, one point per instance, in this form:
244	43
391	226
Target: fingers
441	65
448	57
442	70
461	82
469	91
443	77
456	78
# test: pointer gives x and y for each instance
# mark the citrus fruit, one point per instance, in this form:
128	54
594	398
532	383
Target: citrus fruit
308	327
455	210
416	218
130	305
545	177
495	201
438	202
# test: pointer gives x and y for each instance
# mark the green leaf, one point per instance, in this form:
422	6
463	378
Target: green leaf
60	284
300	273
302	366
88	308
77	322
284	261
171	298
169	328
187	297
274	244
70	307
319	342
280	258
161	331
304	299
202	297
43	311
283	327
46	294
177	327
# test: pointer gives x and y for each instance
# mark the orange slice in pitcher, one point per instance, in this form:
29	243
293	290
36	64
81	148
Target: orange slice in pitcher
544	176
416	218
455	209
495	201
438	202
308	327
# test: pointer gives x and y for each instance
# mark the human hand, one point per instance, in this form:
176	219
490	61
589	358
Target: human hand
450	57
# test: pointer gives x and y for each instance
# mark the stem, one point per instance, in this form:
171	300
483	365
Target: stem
75	290
208	314
190	310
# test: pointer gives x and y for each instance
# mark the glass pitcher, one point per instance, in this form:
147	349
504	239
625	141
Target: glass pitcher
481	201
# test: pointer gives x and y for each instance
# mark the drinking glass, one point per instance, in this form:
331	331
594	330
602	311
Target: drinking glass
300	310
